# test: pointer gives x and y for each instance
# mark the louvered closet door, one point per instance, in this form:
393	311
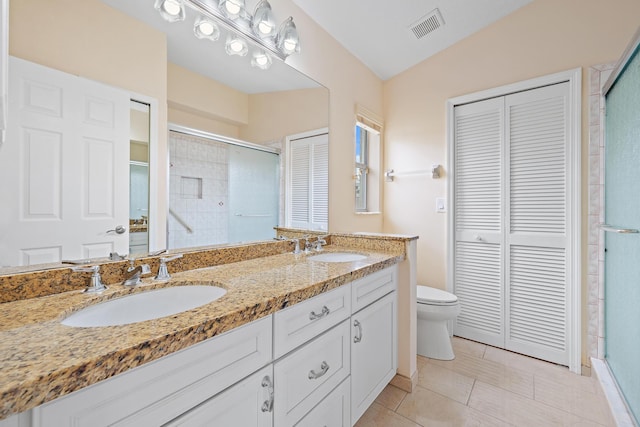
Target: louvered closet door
537	240
308	183
479	138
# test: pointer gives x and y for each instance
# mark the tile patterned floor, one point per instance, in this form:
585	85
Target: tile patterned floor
487	386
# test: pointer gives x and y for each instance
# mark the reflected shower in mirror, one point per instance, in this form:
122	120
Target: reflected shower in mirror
220	190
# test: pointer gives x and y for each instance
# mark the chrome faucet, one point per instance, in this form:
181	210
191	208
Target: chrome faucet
95	283
163	273
320	242
307	245
296	249
135	274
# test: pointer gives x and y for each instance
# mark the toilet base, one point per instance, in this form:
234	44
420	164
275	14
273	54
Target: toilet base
434	341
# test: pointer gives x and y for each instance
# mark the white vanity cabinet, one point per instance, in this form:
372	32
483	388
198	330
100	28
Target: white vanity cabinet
162	390
374	340
320	362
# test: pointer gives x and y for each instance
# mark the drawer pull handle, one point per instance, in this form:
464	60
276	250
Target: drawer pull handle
324	367
358	336
314	316
267	406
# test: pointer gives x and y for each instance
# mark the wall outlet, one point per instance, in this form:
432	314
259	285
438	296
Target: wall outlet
441	204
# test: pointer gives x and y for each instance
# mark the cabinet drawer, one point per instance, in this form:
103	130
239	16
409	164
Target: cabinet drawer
160	391
298	324
333	411
370	288
306	376
245	404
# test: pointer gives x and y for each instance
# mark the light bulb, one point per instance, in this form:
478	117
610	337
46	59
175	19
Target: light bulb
206	28
262	60
290	45
172	7
265	28
236	46
232	8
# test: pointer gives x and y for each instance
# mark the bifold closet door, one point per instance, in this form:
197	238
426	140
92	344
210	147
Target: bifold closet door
538	180
479	141
511	192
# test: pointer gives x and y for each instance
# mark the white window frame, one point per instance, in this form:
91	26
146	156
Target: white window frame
574	290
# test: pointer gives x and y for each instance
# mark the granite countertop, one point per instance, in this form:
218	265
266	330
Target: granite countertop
42	359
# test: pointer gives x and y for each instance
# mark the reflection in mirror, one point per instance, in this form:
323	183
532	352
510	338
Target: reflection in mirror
222	95
139	179
221	190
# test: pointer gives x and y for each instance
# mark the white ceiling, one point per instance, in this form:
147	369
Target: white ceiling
378	31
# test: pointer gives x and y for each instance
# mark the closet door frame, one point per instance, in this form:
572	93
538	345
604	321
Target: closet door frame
574	293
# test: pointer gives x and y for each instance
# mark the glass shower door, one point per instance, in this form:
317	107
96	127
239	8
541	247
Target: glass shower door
622	242
254	188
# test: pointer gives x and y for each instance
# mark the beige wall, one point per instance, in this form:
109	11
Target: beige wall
543	37
275	115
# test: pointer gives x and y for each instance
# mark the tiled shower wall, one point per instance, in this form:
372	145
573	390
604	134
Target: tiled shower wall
598	75
198	191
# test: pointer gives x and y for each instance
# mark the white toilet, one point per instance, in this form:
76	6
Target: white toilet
435	308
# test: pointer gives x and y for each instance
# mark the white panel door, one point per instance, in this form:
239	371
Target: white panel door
478	207
64	167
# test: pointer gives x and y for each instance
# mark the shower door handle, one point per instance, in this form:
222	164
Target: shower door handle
619	230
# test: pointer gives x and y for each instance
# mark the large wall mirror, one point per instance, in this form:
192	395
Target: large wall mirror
207	99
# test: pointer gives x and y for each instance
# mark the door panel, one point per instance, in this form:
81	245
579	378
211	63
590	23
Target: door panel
67	154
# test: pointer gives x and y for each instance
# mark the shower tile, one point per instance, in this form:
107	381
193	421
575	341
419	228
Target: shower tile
594	81
592	328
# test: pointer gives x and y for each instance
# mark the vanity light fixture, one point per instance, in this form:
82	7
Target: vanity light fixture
205	28
242	28
261	60
171	10
287	40
263	22
236	46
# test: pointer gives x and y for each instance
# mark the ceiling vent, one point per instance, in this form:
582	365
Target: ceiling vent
427	24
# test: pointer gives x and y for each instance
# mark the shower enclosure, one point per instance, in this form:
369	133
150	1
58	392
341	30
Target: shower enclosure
220	191
622	239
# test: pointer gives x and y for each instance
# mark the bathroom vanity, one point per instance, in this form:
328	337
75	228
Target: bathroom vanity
292	342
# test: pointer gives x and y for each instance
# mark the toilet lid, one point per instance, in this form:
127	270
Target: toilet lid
436	296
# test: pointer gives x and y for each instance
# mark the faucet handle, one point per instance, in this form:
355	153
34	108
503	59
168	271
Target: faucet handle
95	283
163	273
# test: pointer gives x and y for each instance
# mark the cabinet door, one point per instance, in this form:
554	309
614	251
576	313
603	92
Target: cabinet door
373	352
248	404
333	411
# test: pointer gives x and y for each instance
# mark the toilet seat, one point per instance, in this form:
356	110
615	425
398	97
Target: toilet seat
433	296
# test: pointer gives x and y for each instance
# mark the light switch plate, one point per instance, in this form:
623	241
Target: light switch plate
441	204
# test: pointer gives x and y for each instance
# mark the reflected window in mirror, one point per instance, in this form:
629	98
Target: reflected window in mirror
307	180
367	166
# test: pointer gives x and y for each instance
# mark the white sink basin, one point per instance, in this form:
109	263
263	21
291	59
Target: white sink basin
337	257
144	306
